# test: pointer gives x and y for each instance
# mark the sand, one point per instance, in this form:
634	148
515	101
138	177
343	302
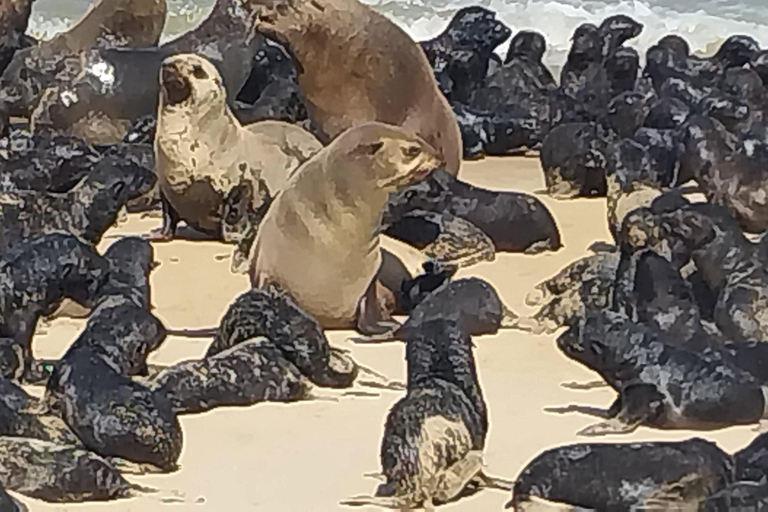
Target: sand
308	456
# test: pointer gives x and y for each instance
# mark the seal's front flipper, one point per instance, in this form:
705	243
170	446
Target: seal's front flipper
582	409
459	241
584	386
171	220
608	427
372	319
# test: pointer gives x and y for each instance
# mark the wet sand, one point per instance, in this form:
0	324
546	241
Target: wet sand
307	456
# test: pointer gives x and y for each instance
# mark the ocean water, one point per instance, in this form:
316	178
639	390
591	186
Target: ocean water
704	23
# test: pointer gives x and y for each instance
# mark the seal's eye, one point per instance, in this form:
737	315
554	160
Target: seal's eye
199	73
412	151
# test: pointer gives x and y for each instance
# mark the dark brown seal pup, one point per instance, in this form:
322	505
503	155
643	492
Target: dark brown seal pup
250	372
657	476
358	66
434	437
113	415
58	474
660	385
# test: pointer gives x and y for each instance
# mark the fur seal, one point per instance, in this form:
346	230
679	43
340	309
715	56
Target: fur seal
674	475
727	177
250	372
87	210
514	221
572	157
9	503
527	49
14	19
104	90
57	473
342	42
659	385
39	273
434	436
44	162
414	291
332	208
461	54
274	314
113	23
110	413
202	151
471	303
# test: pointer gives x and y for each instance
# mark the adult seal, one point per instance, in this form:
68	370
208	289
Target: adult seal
202	151
358	66
113	23
319	241
14	19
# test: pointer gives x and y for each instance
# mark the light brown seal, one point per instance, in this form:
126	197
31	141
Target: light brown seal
114	23
319	240
202	151
358	66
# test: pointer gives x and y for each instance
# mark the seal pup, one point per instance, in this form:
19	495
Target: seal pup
202	151
113	23
112	414
14	19
527	49
343	42
514	221
338	196
414	291
434	436
461	54
39	273
274	314
661	475
87	210
470	302
727	177
45	162
250	372
57	473
659	385
572	157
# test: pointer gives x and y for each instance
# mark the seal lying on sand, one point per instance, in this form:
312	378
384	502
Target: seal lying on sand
87	210
358	66
660	385
110	413
665	475
514	221
471	302
58	474
274	314
250	372
331	211
39	273
202	151
434	436
113	23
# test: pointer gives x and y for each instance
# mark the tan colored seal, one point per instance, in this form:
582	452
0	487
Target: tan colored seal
202	151
114	23
358	66
319	240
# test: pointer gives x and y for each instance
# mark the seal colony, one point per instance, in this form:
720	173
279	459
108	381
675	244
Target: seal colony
302	153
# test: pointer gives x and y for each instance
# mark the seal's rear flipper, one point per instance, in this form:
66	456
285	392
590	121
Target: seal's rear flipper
371	317
171	220
583	409
453	480
134	468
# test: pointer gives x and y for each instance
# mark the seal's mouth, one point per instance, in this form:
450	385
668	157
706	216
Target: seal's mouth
175	86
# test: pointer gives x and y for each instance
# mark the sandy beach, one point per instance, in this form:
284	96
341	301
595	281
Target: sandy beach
308	456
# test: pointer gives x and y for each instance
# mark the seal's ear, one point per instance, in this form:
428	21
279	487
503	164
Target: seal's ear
368	149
